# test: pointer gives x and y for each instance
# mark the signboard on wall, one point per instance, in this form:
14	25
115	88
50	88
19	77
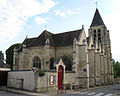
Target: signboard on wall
85	71
52	80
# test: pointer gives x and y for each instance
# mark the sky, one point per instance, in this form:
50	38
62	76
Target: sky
29	18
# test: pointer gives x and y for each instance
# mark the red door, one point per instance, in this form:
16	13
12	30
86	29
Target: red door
60	77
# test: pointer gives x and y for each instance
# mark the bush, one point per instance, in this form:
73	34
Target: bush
116	68
41	73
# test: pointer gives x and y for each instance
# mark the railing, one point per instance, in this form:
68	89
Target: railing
78	87
73	87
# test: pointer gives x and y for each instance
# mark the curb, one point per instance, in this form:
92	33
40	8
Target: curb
97	87
13	91
40	94
17	92
116	93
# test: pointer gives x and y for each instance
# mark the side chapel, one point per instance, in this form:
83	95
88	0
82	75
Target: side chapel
50	60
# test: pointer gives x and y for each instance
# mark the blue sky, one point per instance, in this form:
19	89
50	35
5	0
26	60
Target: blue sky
21	18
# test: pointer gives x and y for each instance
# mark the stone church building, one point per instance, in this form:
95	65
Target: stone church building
49	61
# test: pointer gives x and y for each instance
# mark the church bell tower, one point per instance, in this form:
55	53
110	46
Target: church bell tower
102	62
99	32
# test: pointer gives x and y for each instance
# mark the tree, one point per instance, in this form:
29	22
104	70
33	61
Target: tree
9	54
116	68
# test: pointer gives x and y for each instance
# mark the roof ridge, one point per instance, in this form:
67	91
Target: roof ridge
68	32
46	31
32	38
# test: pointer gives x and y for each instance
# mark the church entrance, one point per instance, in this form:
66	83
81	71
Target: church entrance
60	77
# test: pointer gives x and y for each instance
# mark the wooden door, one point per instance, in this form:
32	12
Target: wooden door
60	77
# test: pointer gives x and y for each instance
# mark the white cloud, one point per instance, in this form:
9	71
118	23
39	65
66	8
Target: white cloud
62	14
57	12
40	20
70	12
113	24
15	13
65	13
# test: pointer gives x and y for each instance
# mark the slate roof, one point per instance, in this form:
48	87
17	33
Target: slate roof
40	40
56	40
97	20
66	39
28	41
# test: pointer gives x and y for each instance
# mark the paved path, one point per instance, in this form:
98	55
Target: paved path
103	91
4	93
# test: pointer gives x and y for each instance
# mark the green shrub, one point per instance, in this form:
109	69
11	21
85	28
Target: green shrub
41	73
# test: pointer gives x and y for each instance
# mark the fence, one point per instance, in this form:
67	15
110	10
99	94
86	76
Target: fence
74	87
117	80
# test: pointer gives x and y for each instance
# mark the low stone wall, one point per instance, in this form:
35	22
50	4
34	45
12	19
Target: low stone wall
21	80
69	78
29	80
117	80
49	81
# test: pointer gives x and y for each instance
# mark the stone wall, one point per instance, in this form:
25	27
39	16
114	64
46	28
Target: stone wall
45	53
82	77
69	78
26	56
102	69
117	80
45	84
91	61
106	69
66	50
97	69
22	80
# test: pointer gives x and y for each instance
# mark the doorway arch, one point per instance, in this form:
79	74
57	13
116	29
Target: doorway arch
60	77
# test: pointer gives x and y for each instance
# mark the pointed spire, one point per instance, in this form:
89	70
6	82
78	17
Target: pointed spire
97	20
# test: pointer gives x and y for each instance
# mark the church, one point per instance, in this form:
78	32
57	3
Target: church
49	61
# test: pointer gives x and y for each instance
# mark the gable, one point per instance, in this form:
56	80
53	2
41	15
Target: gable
82	37
41	39
89	42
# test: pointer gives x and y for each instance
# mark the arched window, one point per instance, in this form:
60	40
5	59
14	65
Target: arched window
99	33
98	30
52	66
94	36
99	36
68	63
94	33
37	62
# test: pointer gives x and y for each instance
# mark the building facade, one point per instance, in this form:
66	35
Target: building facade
51	60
